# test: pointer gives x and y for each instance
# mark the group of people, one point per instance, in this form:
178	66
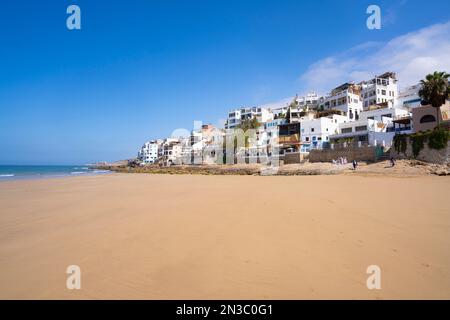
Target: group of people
340	160
343	160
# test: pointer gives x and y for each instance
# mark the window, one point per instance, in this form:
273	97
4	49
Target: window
307	139
347	130
312	129
361	128
428	118
383	92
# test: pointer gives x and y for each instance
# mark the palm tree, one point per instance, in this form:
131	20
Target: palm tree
435	89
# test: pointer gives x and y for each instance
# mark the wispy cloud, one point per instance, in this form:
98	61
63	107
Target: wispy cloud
278	104
411	56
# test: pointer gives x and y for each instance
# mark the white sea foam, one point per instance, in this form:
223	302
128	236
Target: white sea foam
6	175
77	172
100	171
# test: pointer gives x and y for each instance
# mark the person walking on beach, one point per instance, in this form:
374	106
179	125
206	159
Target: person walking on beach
355	164
392	161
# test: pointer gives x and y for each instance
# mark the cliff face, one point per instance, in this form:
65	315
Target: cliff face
426	154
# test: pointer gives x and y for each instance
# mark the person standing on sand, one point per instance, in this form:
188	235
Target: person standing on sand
392	161
355	164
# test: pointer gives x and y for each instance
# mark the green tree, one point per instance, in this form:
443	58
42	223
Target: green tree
435	89
251	123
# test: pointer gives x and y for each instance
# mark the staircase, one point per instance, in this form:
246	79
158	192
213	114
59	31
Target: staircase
385	155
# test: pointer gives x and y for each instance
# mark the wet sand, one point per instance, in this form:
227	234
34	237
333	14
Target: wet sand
142	236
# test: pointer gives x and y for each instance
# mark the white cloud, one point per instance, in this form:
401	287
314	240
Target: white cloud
278	104
411	56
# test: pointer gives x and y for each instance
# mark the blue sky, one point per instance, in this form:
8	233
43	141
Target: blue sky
140	69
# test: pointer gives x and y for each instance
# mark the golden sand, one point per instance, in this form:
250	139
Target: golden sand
138	236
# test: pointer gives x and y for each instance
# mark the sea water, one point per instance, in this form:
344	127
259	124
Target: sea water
8	172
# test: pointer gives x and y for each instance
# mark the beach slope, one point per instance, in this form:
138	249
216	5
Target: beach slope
140	236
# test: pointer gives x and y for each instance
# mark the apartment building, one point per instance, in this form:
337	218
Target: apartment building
206	144
310	100
315	132
297	114
409	97
380	89
289	137
347	99
172	151
235	117
384	114
280	112
374	127
149	152
273	124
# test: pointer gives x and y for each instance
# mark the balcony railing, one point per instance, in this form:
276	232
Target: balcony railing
293	138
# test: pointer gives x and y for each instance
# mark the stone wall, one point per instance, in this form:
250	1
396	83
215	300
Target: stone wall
351	153
426	154
293	157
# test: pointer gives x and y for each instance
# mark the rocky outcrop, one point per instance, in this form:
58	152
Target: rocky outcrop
426	154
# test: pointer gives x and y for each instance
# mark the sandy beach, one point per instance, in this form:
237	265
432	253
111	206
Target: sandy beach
149	236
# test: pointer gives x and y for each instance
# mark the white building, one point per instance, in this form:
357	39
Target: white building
207	145
149	152
172	151
345	98
273	125
380	89
235	117
310	100
279	112
299	114
383	114
374	127
409	97
314	133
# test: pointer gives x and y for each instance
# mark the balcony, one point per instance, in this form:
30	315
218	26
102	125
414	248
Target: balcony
291	139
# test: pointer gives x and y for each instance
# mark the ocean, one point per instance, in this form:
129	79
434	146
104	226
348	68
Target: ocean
40	172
